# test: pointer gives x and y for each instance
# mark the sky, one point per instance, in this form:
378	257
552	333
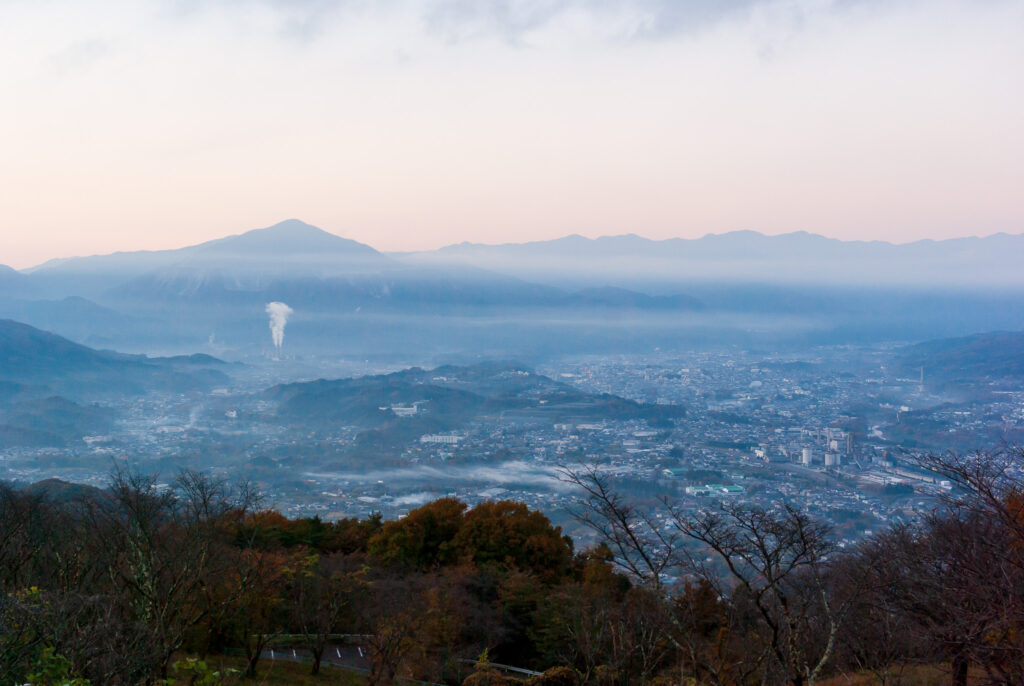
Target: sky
130	125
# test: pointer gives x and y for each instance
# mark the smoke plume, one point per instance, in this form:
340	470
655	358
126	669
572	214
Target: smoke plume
278	318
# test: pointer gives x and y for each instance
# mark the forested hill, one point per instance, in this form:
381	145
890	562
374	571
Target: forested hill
448	396
50	363
50	387
994	355
114	586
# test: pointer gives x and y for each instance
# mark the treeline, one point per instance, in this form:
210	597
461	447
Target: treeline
113	587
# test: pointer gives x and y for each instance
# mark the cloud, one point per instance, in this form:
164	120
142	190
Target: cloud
79	56
460	20
514	21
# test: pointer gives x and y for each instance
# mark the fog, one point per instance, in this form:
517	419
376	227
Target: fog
507	473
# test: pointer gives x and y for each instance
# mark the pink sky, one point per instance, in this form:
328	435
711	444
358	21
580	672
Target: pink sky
413	125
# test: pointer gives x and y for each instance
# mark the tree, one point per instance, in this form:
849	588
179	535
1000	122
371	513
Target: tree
511	535
163	548
639	546
257	602
879	635
963	571
775	560
393	611
318	598
421	539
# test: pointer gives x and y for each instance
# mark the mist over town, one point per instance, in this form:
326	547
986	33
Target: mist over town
497	343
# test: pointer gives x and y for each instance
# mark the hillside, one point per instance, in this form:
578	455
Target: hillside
59	491
13	284
53	421
447	397
44	363
995	355
73	316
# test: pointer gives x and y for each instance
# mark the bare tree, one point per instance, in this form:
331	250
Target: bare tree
957	577
18	512
164	548
318	600
987	482
776	560
878	636
641	547
391	608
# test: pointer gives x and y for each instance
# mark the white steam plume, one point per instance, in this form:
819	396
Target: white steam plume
278	318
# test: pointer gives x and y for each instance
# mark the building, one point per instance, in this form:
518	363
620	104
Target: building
442	439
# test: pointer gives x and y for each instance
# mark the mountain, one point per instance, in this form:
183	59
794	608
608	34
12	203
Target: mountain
568	295
610	296
997	355
214	294
52	422
37	362
310	269
290	261
58	491
14	284
447	397
744	256
49	386
73	317
393	411
244	261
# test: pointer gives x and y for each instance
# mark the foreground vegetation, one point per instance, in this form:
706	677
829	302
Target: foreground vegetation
115	587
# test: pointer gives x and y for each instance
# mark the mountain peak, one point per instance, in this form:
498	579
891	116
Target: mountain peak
291	236
292	227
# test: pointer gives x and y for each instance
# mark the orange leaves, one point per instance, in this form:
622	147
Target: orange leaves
503	534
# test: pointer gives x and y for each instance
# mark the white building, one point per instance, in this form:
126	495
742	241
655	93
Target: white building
443	439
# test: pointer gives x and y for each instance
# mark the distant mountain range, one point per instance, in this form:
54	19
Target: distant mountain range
746	256
569	294
296	253
310	269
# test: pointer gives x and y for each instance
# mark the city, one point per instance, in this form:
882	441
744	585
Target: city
836	431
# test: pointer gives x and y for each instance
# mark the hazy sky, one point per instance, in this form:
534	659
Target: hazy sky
406	125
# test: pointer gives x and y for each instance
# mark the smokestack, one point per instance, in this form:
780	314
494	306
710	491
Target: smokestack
278	318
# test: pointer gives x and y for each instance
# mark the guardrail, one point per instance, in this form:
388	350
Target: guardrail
503	668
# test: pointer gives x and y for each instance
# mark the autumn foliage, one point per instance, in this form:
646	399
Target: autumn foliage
112	588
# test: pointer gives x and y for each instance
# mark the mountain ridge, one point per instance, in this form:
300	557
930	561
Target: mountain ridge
796	257
44	364
293	229
576	237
